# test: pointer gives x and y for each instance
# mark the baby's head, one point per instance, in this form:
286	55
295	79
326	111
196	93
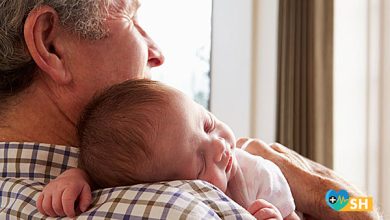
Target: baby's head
143	131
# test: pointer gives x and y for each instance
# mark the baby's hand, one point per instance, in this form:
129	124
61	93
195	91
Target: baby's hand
263	210
59	196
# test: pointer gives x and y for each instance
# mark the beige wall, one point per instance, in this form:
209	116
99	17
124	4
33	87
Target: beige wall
362	96
243	90
264	70
385	114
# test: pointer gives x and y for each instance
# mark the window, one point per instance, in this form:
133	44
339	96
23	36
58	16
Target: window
182	29
187	32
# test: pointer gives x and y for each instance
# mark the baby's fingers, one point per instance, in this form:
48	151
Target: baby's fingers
85	198
68	199
262	209
259	204
268	213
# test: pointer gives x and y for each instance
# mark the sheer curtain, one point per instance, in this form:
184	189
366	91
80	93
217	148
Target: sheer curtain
305	64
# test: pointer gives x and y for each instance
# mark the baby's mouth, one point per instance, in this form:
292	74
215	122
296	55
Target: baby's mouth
228	152
229	164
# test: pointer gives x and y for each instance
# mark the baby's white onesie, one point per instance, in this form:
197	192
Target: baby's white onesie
259	178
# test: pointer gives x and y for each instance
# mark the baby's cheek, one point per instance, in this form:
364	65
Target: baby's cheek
217	180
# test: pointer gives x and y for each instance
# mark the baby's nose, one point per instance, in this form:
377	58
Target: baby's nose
220	146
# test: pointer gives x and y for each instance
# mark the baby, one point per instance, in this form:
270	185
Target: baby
142	131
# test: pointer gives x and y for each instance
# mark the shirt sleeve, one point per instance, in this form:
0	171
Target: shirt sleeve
273	186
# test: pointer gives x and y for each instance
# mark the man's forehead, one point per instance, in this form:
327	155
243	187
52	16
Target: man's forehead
127	5
134	4
131	6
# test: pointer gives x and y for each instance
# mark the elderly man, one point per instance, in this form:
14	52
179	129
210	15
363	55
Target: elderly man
54	56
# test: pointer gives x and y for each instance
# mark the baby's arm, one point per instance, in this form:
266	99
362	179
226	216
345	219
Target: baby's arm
59	196
263	210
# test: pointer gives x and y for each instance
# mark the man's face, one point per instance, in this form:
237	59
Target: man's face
192	144
126	53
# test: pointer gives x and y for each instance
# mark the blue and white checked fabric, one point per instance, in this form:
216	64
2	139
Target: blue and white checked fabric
26	167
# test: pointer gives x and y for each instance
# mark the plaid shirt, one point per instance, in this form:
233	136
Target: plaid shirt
26	167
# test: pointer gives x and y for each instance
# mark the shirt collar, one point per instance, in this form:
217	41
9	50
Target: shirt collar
36	161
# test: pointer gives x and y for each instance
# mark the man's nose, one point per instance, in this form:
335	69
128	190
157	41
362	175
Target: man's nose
155	56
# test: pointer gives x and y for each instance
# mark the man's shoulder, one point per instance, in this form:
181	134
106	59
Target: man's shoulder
165	200
26	167
36	161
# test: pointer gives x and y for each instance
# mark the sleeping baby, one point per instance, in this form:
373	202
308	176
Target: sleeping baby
142	131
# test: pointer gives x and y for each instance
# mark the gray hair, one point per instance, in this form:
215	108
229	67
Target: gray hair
83	17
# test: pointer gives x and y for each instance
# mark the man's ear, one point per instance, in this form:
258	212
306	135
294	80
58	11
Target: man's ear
41	29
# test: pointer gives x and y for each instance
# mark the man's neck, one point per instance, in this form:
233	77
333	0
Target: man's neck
35	117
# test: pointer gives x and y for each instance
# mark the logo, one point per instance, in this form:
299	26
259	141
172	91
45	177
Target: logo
341	201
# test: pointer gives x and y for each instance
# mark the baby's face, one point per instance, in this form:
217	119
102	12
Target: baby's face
193	144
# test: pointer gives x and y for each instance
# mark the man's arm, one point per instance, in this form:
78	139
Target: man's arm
309	181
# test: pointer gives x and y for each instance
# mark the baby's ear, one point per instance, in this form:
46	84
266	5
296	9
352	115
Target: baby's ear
42	31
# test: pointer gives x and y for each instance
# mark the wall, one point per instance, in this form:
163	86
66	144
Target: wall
231	63
243	90
350	89
385	112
